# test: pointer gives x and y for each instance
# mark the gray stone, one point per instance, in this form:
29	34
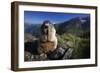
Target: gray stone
61	54
68	54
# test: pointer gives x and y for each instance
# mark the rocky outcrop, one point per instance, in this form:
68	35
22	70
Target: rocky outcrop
60	53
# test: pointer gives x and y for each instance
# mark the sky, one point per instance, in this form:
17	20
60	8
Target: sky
36	17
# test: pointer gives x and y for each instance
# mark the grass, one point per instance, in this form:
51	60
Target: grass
80	45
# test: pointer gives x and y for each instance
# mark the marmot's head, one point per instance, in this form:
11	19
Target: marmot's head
46	26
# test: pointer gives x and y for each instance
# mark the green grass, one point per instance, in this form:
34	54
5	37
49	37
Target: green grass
80	45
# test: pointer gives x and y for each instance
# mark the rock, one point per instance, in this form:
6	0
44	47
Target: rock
61	54
33	57
57	54
68	54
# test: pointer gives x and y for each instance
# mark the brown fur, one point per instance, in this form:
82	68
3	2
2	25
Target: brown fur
47	47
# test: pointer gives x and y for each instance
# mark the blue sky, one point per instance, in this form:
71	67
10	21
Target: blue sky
34	17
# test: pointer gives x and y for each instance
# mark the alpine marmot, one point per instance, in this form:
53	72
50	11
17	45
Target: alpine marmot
48	39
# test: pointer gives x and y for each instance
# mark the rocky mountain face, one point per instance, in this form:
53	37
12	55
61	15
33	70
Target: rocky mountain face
77	26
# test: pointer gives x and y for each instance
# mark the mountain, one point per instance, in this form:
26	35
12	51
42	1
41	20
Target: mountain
77	26
32	29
